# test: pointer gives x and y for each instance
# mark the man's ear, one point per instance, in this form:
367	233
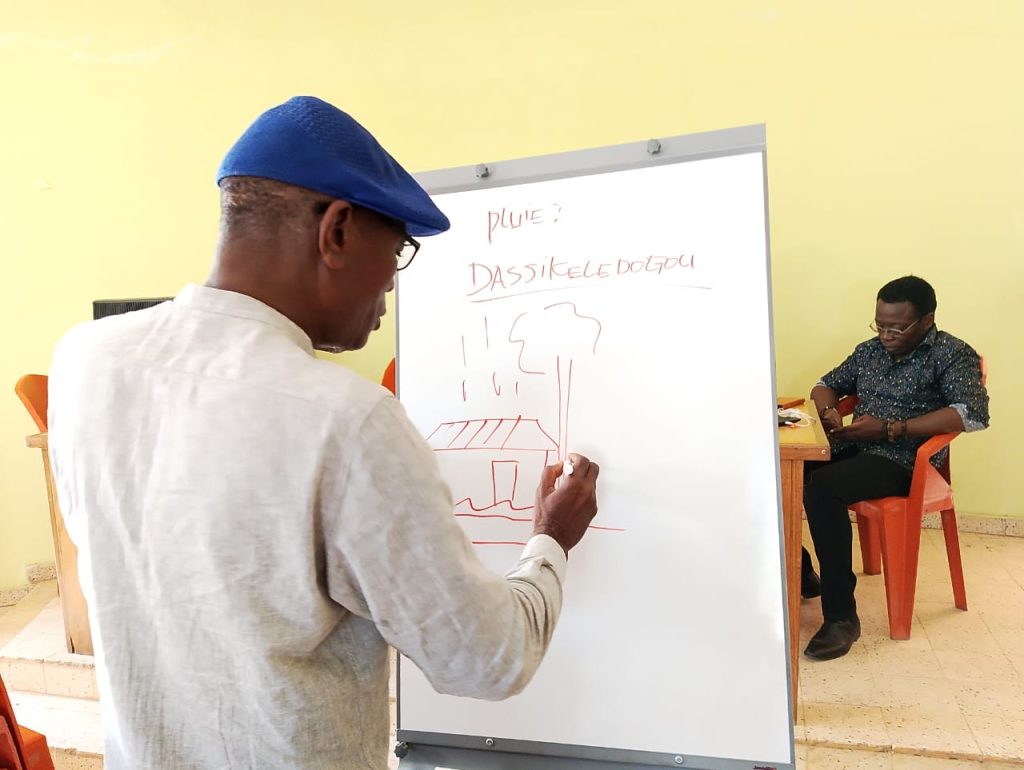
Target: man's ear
335	233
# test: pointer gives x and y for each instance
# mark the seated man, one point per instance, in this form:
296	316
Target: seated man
913	382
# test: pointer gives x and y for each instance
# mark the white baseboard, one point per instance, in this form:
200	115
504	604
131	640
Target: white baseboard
982	525
35	573
968	522
39	572
9	596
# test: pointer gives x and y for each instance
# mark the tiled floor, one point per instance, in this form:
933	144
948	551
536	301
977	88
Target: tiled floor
955	688
950	698
13	619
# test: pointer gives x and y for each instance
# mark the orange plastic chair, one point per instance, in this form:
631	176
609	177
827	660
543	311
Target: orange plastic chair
388	380
890	530
32	390
20	748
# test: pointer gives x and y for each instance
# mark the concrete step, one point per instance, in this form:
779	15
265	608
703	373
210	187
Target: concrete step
36	660
52	691
72	727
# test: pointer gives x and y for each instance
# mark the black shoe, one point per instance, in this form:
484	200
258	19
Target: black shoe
810	585
834	639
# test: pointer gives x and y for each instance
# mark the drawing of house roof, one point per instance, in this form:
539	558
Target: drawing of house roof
509	433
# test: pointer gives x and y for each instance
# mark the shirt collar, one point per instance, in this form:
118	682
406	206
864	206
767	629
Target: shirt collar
927	340
231	303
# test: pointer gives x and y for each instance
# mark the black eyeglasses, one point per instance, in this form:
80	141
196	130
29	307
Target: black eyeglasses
404	254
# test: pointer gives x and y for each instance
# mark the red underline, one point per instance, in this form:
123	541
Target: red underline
498	542
512	518
492	516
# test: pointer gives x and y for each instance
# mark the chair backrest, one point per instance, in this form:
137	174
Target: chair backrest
388	380
32	390
12	750
846	405
9	759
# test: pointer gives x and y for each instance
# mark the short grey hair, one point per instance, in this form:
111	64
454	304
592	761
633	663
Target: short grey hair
249	203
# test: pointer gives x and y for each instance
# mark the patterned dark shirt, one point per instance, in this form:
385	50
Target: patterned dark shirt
941	371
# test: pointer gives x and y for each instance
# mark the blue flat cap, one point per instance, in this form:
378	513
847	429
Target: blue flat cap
309	143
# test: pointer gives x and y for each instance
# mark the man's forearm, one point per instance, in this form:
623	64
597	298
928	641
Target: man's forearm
945	420
824	398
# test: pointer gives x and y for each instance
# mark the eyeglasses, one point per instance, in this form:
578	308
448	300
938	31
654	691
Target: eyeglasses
891	331
406	253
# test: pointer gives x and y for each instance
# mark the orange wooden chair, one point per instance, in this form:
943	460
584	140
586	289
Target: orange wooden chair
890	530
33	391
388	380
20	748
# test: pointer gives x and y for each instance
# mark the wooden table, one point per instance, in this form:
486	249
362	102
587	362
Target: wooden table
77	633
797	446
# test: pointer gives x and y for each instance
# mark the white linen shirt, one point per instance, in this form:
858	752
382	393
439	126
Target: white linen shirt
256	526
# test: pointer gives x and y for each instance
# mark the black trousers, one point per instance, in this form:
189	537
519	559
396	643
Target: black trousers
829	490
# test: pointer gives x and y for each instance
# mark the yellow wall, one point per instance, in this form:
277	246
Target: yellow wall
895	135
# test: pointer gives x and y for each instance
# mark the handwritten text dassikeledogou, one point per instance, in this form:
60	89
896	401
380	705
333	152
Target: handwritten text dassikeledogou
557	272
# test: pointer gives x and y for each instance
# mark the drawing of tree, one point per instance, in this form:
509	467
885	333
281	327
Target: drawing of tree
549	341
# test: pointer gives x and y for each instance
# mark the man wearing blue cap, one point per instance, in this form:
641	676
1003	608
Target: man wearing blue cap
258	525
